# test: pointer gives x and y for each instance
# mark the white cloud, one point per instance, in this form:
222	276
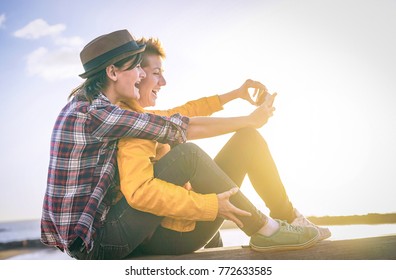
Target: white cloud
62	61
39	28
58	64
2	20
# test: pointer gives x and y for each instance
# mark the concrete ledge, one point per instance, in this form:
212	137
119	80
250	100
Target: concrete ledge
374	248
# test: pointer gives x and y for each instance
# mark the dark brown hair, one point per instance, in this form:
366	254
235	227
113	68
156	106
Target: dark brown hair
95	84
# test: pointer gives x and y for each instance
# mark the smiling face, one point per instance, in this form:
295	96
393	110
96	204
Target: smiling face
127	82
152	83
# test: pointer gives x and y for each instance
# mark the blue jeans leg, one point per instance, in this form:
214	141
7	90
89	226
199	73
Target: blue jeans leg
187	162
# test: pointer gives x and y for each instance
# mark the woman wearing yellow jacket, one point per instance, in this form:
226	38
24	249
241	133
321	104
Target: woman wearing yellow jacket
246	153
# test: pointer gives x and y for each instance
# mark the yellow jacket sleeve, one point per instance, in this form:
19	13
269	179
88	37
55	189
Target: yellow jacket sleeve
146	193
205	106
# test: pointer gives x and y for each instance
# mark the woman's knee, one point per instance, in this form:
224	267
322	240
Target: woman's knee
250	136
189	147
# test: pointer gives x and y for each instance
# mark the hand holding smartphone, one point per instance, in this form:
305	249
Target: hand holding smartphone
264	96
270	98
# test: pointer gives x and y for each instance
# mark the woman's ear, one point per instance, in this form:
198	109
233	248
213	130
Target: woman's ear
111	72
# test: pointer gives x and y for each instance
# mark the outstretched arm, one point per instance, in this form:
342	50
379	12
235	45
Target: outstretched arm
204	127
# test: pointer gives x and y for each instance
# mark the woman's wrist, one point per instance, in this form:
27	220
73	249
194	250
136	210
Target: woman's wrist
227	97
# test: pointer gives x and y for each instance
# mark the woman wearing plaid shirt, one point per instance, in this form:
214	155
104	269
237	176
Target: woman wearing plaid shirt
83	167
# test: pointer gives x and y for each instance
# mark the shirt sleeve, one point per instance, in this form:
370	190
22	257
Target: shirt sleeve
205	106
111	122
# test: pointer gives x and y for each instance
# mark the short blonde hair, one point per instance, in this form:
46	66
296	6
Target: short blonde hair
153	47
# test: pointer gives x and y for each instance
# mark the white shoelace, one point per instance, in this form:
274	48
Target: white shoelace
289	227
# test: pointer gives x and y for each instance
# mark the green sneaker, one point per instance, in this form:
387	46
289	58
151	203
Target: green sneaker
288	237
301	221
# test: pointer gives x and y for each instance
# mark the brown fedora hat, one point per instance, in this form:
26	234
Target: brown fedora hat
107	50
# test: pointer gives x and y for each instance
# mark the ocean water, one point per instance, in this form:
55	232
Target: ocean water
25	230
19	231
28	230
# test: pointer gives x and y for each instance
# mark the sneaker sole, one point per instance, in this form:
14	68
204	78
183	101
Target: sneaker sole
276	248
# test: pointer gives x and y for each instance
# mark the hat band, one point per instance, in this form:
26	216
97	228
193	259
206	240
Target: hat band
97	61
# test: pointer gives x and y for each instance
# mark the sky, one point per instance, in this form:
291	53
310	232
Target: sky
332	63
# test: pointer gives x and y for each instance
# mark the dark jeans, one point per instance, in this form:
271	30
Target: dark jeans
247	153
128	230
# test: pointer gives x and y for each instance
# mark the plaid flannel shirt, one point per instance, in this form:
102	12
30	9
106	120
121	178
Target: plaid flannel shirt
83	164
